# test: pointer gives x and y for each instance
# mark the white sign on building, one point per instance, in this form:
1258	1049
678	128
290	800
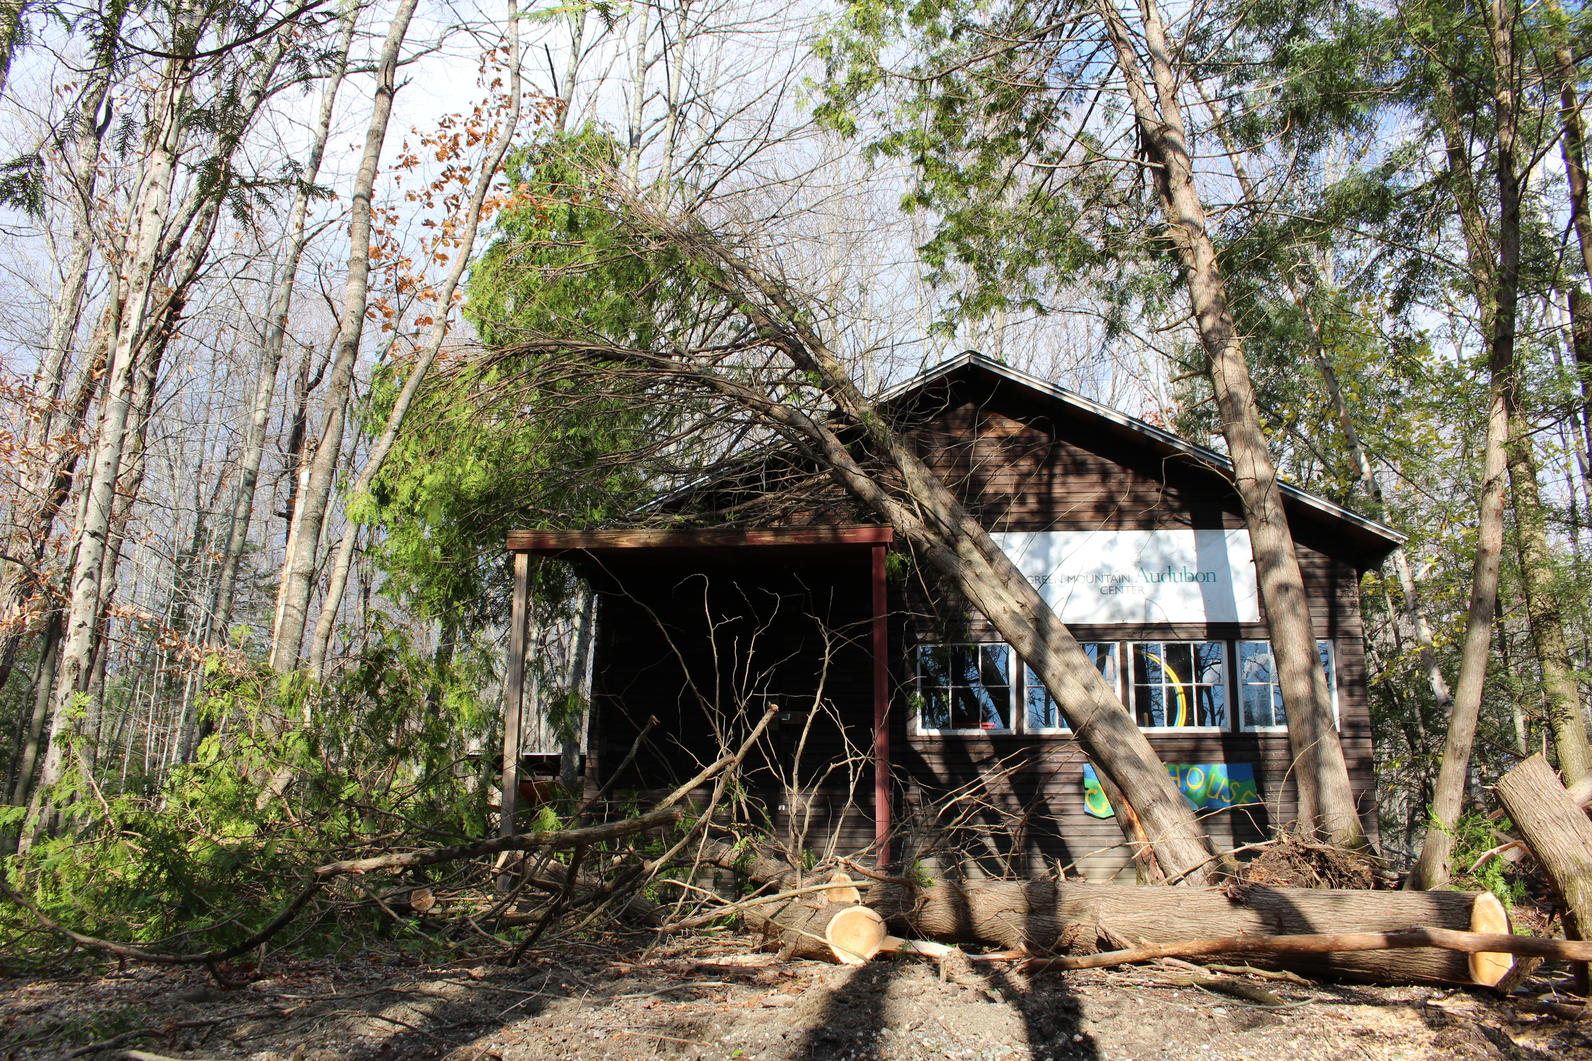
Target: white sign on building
1140	576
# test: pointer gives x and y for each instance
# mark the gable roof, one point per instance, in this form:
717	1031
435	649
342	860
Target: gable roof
1369	540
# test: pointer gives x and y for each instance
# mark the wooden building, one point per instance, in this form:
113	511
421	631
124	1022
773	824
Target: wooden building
902	718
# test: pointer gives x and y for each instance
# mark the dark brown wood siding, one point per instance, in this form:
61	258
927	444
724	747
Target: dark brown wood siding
1021	469
702	648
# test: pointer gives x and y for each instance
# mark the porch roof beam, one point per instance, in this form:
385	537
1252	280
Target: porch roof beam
560	541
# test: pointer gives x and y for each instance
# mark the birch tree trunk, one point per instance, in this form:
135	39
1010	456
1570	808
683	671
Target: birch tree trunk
160	255
260	404
318	472
43	493
137	276
1326	800
485	177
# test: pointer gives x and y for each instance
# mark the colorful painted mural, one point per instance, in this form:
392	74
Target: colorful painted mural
1207	786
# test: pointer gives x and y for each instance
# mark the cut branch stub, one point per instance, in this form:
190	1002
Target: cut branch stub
844	890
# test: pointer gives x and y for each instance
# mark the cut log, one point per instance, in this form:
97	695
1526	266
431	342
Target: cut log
409	900
843	932
1557	830
1488	915
855	934
1042	917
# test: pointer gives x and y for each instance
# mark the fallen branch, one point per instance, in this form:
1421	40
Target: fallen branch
1329	943
728	908
323	875
586	835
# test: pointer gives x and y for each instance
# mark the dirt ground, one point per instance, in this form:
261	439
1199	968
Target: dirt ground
713	998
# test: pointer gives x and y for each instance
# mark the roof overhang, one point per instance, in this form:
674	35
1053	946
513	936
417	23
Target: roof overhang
710	546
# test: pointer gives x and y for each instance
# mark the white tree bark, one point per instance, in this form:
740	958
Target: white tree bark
320	468
486	175
137	281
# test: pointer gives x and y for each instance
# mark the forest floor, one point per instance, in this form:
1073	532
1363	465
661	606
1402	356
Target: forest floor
713	997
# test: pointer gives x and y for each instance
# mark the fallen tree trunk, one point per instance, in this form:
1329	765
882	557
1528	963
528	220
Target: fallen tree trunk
814	928
1048	917
1558	833
1042	917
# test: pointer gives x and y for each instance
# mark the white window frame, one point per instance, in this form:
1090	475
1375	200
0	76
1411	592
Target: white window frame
1323	645
1112	674
1012	703
1225	685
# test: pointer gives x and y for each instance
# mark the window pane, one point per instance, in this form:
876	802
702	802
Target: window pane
969	706
1103	654
934	665
1147	664
964	664
1258	685
1152	706
1180	683
1254	662
1210	656
1039	710
964	687
1257	705
1178	661
1213	705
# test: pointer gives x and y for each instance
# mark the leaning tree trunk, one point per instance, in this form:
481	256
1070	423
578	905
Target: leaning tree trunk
1326	798
944	533
1559	835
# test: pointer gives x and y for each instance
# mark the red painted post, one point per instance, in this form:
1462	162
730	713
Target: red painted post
881	704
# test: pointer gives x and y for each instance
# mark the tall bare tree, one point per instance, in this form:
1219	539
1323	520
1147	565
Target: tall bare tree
319	468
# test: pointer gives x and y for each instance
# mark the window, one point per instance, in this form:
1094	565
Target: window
1180	683
985	688
965	687
1040	711
1259	695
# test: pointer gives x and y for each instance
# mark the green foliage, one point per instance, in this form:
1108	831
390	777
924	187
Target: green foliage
1474	835
22	184
523	441
563	262
386	754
